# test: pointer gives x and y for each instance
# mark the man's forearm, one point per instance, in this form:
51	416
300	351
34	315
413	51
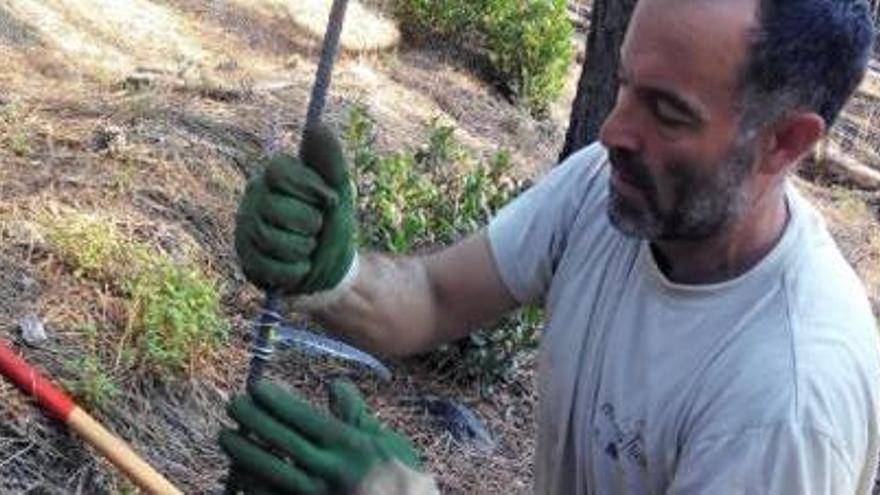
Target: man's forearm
390	307
400	305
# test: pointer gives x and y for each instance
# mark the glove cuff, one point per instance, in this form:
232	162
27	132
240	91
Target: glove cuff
396	478
325	298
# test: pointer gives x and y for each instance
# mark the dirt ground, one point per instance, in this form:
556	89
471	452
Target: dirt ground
153	113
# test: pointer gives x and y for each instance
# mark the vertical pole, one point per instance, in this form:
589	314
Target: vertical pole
261	348
325	64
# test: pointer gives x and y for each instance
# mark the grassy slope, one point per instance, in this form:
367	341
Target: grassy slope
155	124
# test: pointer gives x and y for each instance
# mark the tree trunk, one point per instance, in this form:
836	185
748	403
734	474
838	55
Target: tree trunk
597	87
875	12
875	8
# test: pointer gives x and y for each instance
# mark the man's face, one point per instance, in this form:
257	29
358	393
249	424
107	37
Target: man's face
681	170
700	203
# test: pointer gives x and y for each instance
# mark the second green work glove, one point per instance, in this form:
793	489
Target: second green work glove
284	445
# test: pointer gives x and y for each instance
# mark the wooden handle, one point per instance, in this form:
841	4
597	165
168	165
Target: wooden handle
119	453
56	402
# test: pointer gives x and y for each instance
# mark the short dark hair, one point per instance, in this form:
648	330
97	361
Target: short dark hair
808	54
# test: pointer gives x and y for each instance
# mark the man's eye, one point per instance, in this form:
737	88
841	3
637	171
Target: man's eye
668	113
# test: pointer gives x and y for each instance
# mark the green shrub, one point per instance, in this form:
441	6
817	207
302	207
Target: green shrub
90	245
173	310
16	128
175	314
92	383
527	41
490	355
433	196
444	16
530	43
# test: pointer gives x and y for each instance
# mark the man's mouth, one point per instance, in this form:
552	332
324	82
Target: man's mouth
623	178
623	183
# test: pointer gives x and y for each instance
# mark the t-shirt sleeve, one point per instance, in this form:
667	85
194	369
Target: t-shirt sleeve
785	458
530	234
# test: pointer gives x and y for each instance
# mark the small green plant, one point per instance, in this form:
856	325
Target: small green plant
125	175
490	355
93	384
15	125
18	142
432	196
527	41
88	243
444	16
174	314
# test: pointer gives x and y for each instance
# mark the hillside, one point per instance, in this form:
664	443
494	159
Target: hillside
150	115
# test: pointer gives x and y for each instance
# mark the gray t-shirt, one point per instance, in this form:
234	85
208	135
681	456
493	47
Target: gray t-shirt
767	383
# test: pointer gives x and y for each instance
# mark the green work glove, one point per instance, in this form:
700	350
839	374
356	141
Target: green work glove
284	445
294	231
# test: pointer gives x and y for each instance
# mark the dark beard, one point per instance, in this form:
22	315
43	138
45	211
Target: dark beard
703	205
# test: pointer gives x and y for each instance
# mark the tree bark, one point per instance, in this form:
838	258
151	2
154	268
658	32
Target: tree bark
875	13
597	86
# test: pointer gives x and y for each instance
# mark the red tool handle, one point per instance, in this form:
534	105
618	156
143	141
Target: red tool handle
33	383
57	403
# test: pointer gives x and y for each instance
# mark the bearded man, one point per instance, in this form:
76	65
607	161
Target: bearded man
704	333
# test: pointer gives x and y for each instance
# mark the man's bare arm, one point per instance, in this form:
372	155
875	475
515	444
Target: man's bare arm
404	305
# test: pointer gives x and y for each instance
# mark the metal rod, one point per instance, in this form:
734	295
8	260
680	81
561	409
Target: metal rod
325	64
261	347
264	334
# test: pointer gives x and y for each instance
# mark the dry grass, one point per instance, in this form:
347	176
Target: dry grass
371	32
871	85
126	34
172	37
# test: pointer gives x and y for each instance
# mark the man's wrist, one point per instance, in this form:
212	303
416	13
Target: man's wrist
317	301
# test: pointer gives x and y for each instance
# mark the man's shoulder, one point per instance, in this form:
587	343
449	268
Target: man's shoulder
585	163
593	153
813	349
815	361
581	182
569	197
822	288
530	235
824	379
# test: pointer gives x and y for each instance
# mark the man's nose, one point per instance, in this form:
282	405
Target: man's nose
620	129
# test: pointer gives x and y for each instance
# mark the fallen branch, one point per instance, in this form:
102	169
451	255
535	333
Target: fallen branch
832	160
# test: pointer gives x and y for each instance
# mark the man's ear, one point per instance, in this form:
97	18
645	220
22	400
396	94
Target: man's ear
791	138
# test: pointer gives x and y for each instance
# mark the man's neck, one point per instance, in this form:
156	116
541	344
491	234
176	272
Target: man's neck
730	253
